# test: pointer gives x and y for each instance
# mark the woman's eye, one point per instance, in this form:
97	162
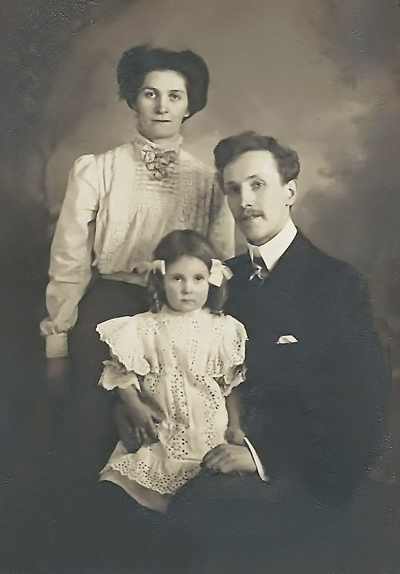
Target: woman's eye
174	97
149	94
199	278
177	278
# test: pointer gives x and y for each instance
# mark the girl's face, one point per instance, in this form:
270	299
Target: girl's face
161	105
186	284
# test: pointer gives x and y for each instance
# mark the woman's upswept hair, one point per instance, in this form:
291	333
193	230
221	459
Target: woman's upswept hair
173	246
139	61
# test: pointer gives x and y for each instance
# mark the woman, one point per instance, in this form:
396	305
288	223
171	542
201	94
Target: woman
117	207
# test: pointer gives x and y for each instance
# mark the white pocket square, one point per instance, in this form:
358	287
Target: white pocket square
286	339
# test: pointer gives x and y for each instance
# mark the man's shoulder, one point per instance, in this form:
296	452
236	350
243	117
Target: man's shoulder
237	261
328	273
320	258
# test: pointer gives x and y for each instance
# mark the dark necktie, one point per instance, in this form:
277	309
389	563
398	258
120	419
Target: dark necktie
260	271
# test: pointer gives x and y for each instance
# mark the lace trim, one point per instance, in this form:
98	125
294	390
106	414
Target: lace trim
153	475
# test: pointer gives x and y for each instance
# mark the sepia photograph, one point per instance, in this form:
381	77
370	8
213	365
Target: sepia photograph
199	287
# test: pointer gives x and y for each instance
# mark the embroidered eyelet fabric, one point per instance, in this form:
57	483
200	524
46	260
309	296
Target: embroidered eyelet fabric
186	364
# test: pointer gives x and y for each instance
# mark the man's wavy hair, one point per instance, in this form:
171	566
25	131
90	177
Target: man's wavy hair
173	246
229	149
139	61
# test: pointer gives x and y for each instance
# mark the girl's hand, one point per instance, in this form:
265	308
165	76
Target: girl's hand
235	435
144	419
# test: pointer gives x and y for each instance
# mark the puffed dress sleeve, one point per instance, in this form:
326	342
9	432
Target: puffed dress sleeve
228	364
129	340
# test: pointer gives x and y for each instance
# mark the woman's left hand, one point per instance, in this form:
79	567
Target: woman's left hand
126	430
226	458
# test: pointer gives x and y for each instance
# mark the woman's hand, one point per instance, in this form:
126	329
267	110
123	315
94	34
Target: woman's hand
126	430
235	435
143	417
58	376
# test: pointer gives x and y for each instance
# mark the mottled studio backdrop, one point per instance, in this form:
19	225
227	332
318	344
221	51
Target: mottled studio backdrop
321	76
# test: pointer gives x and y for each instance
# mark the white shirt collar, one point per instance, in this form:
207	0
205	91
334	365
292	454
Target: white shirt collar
273	250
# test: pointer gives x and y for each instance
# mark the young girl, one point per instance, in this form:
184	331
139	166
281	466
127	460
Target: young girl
180	360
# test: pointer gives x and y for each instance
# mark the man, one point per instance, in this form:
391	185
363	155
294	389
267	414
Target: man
314	395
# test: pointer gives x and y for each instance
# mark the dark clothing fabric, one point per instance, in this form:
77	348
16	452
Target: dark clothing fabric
90	434
258	527
314	409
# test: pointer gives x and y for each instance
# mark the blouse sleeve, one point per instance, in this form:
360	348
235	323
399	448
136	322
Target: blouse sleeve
71	255
222	226
230	369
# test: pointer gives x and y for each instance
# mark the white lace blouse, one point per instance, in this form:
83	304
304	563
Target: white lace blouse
115	212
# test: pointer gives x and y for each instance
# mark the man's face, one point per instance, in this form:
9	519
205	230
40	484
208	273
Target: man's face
257	198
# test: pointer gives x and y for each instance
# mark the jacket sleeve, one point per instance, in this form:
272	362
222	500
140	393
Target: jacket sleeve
345	418
71	255
335	421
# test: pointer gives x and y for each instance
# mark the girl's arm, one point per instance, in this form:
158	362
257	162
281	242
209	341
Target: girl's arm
71	255
234	433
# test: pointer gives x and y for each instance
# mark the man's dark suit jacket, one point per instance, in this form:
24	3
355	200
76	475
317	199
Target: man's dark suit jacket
313	409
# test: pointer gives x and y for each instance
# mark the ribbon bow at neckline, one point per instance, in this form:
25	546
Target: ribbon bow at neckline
160	163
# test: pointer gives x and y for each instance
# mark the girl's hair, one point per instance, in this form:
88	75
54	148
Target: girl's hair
139	61
175	245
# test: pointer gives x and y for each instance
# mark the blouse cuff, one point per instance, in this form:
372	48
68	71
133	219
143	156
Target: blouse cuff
57	346
257	461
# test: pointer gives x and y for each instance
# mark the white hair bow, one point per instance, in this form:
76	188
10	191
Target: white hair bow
218	272
158	265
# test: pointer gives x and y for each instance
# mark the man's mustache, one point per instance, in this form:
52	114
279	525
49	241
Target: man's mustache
250	212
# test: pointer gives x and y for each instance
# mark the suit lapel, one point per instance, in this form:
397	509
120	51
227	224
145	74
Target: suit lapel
291	266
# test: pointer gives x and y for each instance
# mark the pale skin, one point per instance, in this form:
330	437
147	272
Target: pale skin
259	200
160	106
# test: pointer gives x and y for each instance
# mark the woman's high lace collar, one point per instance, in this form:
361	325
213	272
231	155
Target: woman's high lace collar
159	158
145	144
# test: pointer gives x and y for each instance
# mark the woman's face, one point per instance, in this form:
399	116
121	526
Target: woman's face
161	105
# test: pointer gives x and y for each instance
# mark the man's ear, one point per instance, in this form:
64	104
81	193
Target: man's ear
291	189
